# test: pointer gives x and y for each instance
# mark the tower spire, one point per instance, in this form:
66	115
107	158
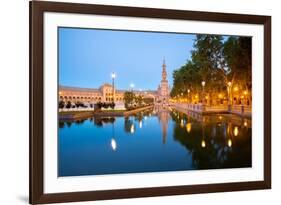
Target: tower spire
164	72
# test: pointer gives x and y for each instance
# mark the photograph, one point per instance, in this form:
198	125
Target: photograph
147	101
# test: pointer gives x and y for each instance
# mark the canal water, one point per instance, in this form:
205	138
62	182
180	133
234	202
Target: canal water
156	140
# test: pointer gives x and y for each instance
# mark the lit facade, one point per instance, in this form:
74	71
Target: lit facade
107	92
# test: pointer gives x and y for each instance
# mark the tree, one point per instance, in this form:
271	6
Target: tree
215	60
238	55
148	100
129	98
139	100
68	105
112	105
61	104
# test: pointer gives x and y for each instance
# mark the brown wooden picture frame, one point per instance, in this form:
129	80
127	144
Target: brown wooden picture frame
37	8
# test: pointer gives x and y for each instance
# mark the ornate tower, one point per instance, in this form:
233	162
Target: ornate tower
164	87
164	72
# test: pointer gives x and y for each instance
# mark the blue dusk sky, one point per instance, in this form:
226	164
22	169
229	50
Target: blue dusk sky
87	57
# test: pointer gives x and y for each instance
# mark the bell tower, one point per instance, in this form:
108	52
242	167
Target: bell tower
164	72
164	87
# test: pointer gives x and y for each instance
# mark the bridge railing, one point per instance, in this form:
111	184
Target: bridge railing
237	109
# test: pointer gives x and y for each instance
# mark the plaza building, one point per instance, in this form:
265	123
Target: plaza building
105	93
108	93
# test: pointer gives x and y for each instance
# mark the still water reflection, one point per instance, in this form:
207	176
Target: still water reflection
160	139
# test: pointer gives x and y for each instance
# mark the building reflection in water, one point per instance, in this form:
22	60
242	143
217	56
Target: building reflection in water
163	115
196	142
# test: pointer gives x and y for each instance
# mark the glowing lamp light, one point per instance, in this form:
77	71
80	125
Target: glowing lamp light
245	124
235	131
132	130
229	142
113	144
182	124
113	75
236	89
220	117
188	127
203	83
229	83
245	92
203	143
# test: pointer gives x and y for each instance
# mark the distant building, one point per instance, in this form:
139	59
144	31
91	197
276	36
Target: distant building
105	93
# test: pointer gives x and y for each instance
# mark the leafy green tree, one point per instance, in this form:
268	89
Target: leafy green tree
215	60
129	98
139	100
238	54
68	105
61	104
148	100
112	105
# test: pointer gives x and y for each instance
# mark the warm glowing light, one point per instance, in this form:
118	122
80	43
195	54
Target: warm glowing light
113	144
188	91
140	124
60	92
203	83
236	131
220	117
196	96
113	75
203	143
132	130
235	88
245	124
206	97
220	95
229	83
188	127
229	142
245	92
182	124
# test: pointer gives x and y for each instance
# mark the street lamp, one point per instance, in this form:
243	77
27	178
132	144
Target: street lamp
203	85
228	92
132	85
113	75
188	91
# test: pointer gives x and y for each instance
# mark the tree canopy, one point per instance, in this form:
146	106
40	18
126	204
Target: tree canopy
217	60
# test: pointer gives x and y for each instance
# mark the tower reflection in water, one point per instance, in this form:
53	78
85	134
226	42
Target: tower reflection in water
141	142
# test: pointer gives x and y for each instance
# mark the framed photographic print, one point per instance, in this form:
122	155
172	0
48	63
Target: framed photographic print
138	102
